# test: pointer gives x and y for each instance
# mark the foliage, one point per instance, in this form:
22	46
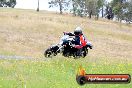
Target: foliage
62	4
122	9
7	3
87	7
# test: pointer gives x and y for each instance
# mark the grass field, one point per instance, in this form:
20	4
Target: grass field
29	33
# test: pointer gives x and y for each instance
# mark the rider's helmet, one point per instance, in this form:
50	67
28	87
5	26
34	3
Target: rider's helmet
78	31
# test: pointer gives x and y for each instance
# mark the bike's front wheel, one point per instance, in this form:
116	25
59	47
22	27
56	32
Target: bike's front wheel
48	53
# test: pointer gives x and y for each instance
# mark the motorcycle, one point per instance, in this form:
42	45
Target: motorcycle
66	47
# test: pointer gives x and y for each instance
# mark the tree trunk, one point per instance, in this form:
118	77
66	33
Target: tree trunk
90	14
38	7
60	4
102	11
97	16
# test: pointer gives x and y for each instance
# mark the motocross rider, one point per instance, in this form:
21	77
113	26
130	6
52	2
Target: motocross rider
80	40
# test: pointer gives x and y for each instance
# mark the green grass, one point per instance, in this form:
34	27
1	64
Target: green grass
58	72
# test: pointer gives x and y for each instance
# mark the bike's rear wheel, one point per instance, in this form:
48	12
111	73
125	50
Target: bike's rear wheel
84	52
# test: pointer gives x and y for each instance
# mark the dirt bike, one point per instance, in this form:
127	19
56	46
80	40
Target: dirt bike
66	47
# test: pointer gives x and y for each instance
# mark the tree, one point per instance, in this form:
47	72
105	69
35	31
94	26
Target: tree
109	12
101	4
62	4
128	12
92	8
122	9
74	5
82	7
117	8
78	7
7	3
87	7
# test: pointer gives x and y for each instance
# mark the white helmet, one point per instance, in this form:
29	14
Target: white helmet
78	31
